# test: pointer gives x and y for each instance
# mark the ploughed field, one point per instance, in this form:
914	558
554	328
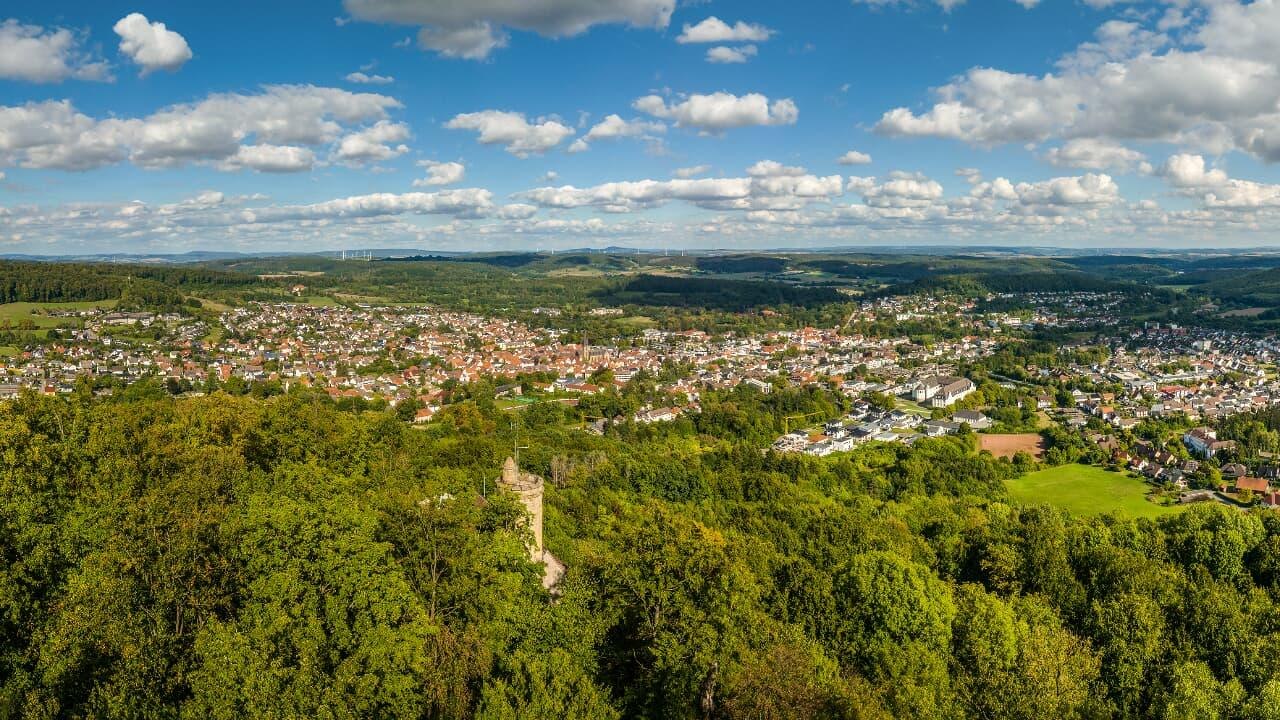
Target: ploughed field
1010	444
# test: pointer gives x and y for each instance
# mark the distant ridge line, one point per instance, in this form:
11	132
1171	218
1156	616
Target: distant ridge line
197	256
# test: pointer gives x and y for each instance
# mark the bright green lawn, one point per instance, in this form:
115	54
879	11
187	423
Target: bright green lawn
512	403
1087	490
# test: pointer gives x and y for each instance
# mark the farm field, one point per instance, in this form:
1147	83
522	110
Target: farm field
1009	445
1087	490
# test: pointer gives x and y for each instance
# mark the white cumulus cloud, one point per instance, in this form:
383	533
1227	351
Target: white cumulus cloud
776	189
53	134
465	202
1188	171
1218	92
692	171
270	158
901	190
773	168
511	129
721	111
361	78
381	141
715	30
853	157
151	45
725	55
949	5
440	173
1190	175
475	28
1094	154
613	126
35	54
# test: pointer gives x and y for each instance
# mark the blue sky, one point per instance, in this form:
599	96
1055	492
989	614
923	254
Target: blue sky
166	127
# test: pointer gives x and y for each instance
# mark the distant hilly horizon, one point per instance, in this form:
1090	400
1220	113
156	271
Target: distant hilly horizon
197	256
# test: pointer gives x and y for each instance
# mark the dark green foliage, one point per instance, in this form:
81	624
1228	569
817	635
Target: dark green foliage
979	284
233	557
731	295
63	282
742	264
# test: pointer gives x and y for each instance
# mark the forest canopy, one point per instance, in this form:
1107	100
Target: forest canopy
229	557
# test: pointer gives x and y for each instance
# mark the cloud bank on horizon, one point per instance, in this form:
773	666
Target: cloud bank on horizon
523	124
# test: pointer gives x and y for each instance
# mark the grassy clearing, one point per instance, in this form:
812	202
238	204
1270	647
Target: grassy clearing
1087	490
8	351
638	321
913	407
19	311
214	305
1245	313
365	299
516	403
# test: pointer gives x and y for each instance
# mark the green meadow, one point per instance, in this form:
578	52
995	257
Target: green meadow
1087	490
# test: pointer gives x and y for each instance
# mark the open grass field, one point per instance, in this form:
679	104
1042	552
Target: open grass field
1246	312
514	403
912	407
213	305
1087	490
639	321
1010	445
366	299
577	272
19	311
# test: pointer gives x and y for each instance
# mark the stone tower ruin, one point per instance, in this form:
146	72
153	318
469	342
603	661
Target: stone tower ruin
528	488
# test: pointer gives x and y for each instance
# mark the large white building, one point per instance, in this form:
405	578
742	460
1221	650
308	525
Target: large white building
942	390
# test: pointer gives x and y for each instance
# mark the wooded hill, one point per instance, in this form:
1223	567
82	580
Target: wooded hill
227	557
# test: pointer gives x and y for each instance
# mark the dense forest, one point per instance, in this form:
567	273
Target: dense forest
741	264
145	284
1012	282
230	557
62	282
715	294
